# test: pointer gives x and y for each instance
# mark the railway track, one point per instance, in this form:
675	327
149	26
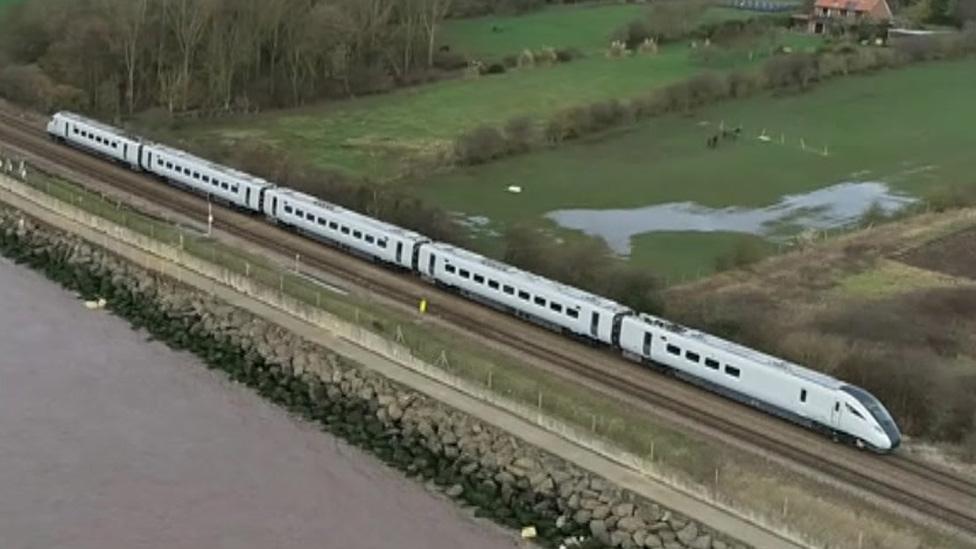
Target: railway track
918	488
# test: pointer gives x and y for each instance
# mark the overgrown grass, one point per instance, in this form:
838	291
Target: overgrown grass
686	459
908	128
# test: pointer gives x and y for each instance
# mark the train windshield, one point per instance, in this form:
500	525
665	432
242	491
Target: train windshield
877	410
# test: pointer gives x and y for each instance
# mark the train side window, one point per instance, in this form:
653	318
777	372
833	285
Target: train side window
674	350
382	244
837	406
508	289
493	284
344	229
479	279
803	395
370	239
205	178
115	145
732	371
540	301
450	268
711	363
169	165
853	410
310	217
692	356
464	273
333	225
556	307
224	186
523	295
196	175
357	234
573	313
235	189
288	209
159	161
75	130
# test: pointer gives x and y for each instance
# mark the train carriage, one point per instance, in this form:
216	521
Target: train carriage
532	296
226	184
760	380
365	235
95	136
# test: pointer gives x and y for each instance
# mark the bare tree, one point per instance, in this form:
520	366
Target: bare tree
127	19
433	12
189	20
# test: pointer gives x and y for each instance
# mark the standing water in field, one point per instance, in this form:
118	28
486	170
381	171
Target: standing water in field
826	208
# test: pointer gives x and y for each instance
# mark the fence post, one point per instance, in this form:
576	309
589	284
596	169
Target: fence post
490	372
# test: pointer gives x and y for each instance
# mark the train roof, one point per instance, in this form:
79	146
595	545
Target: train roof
79	119
745	353
532	278
254	180
339	210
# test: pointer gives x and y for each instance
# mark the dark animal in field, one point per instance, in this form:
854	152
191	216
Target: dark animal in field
713	142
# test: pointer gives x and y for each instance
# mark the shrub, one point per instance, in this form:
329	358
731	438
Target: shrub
746	252
633	33
28	84
744	83
493	68
648	46
511	61
479	145
953	197
526	59
450	60
546	56
520	133
705	88
617	49
565	55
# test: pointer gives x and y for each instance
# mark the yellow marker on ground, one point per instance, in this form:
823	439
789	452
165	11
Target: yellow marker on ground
423	305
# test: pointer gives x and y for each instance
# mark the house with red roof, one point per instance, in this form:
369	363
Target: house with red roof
827	13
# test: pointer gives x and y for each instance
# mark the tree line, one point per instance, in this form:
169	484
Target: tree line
121	56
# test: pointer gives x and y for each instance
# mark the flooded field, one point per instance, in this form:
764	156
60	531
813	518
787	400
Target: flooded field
107	440
827	208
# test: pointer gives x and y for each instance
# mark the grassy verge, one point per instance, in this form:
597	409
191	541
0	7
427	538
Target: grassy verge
758	487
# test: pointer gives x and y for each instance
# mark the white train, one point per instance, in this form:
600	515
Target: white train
787	390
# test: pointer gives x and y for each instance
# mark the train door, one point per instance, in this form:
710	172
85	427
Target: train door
835	414
399	253
648	338
247	196
430	264
149	164
274	206
66	128
261	200
595	324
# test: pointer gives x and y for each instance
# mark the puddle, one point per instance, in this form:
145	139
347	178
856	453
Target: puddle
826	208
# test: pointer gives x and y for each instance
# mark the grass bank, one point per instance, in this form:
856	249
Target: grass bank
683	459
908	128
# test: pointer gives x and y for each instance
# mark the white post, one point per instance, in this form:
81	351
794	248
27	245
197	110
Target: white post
209	218
297	257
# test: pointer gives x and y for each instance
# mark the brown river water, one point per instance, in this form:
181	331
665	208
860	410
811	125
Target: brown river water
108	441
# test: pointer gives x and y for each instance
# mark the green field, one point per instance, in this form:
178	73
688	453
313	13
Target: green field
910	128
375	135
585	27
